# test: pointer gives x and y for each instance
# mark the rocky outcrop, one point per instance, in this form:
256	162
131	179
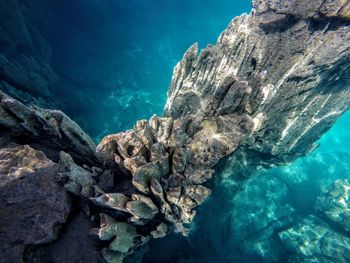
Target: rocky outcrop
33	205
275	81
238	98
50	131
295	63
334	203
311	240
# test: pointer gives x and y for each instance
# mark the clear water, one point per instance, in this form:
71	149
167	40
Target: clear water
115	58
115	61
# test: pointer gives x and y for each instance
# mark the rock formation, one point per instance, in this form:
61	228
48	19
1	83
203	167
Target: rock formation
274	82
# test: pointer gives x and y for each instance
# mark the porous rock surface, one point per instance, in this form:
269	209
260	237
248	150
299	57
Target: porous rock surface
275	81
33	205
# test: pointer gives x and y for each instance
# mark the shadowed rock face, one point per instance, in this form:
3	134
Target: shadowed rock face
50	131
294	60
275	81
33	204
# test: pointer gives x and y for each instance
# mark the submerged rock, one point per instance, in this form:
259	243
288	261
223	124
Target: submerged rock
313	241
274	82
33	205
50	131
334	203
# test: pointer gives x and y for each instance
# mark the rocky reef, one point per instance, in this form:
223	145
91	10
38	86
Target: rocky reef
275	81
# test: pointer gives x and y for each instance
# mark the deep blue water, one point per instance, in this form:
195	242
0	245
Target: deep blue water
115	60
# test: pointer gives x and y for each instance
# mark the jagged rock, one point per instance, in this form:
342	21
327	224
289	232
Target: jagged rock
162	128
197	193
314	241
179	162
130	145
50	131
334	203
116	201
237	98
33	205
77	180
134	163
302	8
144	132
124	234
290	104
142	208
143	175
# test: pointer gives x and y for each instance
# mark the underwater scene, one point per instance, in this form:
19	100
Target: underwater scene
114	59
247	158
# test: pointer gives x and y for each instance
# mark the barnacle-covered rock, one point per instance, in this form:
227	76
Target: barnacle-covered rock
130	145
144	132
107	149
334	203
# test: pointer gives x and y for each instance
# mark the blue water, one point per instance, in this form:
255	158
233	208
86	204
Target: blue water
115	59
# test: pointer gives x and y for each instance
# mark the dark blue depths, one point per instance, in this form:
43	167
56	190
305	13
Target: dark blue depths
114	60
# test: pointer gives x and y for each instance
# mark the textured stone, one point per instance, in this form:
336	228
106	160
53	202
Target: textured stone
124	234
313	241
274	82
50	131
116	201
76	179
334	203
33	205
142	208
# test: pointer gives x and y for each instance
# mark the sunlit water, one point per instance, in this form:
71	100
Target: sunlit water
115	60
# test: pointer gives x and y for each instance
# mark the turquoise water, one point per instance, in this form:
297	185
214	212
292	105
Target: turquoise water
115	59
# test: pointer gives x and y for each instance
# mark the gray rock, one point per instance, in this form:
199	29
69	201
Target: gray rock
33	205
50	131
314	241
334	203
274	82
